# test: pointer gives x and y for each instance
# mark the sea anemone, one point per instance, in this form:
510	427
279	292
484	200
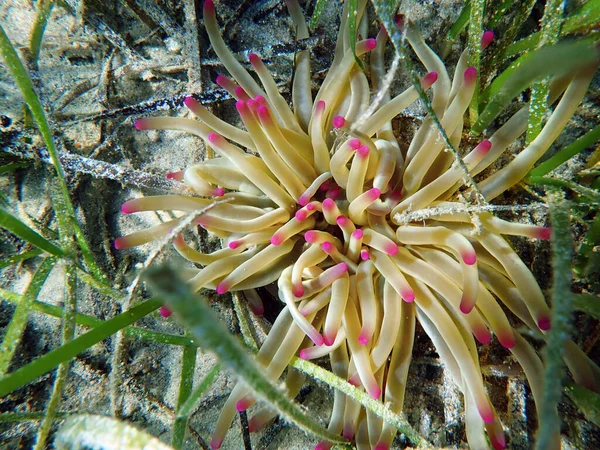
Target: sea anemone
362	237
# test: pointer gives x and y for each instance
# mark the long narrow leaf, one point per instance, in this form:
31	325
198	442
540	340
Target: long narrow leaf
474	51
43	11
587	401
352	12
15	328
562	306
538	104
586	17
14	225
68	333
456	28
188	364
557	60
589	304
589	241
319	7
12	166
13	259
193	400
567	153
51	360
92	322
589	193
26	417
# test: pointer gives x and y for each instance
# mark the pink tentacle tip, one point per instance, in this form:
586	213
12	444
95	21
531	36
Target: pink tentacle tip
358	234
323	446
395	195
470	75
141	124
303	200
354	143
498	440
391	249
202	221
178	240
364	255
486	39
408	295
327	247
261	100
120	243
218	192
507	340
334	193
317	339
298	290
215	138
375	392
241	106
400	21
241	93
257	310
190	102
276	240
234	244
263	113
469	258
243	404
544	323
348	434
370	44
374	193
222	288
338	122
341	268
429	79
301	215
320	106
165	311
466	305
304	354
484	147
328	339
216	443
487	414
363	338
328	204
253	425
325	186
209	6
310	236
381	446
254	59
128	207
177	176
543	233
222	81
341	220
482	334
363	151
354	380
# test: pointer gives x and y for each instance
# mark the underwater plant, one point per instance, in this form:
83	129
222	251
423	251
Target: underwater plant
362	236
